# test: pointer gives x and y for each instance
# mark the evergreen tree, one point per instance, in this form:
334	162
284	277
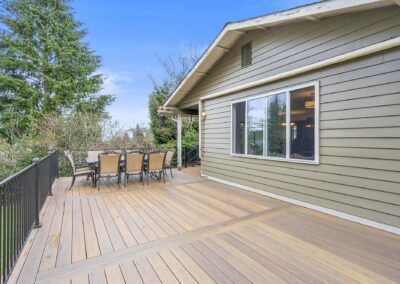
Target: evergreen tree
45	66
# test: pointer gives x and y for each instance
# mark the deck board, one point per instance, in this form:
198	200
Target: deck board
191	230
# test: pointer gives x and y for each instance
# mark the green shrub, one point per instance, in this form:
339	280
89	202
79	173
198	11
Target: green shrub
19	154
190	139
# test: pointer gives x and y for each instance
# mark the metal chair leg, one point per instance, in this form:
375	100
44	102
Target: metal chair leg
72	183
170	169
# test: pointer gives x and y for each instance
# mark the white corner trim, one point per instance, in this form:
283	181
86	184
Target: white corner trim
374	48
349	217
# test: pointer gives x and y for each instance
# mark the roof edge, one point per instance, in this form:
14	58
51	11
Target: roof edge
312	11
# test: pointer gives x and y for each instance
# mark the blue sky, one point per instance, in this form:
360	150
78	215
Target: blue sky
129	35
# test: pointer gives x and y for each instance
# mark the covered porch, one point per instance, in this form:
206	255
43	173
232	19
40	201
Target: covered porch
178	115
192	230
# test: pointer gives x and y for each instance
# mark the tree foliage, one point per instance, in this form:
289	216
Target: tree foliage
191	134
166	133
19	154
141	137
175	71
45	66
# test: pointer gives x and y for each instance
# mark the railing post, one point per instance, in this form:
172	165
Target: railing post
185	157
36	205
51	173
57	163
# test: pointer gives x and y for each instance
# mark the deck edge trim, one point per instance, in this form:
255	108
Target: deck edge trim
342	215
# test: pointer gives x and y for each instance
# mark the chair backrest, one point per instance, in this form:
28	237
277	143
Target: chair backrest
156	161
109	163
94	153
70	159
168	157
134	161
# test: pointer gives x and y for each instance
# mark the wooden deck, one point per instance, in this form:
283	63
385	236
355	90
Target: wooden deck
195	231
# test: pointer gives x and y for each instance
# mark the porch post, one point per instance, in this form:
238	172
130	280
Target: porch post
200	118
179	142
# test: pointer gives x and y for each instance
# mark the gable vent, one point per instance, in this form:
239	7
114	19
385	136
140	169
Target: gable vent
247	54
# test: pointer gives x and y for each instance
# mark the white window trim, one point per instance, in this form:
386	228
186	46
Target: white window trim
287	92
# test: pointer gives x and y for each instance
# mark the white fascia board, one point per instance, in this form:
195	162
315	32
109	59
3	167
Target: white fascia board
212	49
315	10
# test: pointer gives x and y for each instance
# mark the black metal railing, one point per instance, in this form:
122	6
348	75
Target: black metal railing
22	196
190	156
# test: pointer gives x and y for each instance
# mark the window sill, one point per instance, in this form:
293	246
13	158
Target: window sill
310	162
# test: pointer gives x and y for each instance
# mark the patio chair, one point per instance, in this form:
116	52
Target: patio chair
134	165
109	165
82	171
156	161
168	161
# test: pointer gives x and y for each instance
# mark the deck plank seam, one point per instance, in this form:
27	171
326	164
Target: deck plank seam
103	260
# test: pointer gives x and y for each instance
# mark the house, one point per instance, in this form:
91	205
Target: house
304	106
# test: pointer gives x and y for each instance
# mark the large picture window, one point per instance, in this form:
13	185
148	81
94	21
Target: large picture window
279	125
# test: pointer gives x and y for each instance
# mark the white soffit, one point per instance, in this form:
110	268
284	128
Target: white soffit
232	32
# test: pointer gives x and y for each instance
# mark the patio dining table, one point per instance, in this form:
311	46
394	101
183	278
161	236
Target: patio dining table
93	162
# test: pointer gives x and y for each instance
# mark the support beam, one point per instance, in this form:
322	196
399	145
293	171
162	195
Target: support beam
179	138
313	18
200	73
238	32
189	112
262	28
226	49
166	110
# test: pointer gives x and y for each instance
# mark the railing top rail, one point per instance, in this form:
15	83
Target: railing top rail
21	172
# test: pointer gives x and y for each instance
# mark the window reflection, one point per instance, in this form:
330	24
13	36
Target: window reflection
255	126
238	127
276	125
302	119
